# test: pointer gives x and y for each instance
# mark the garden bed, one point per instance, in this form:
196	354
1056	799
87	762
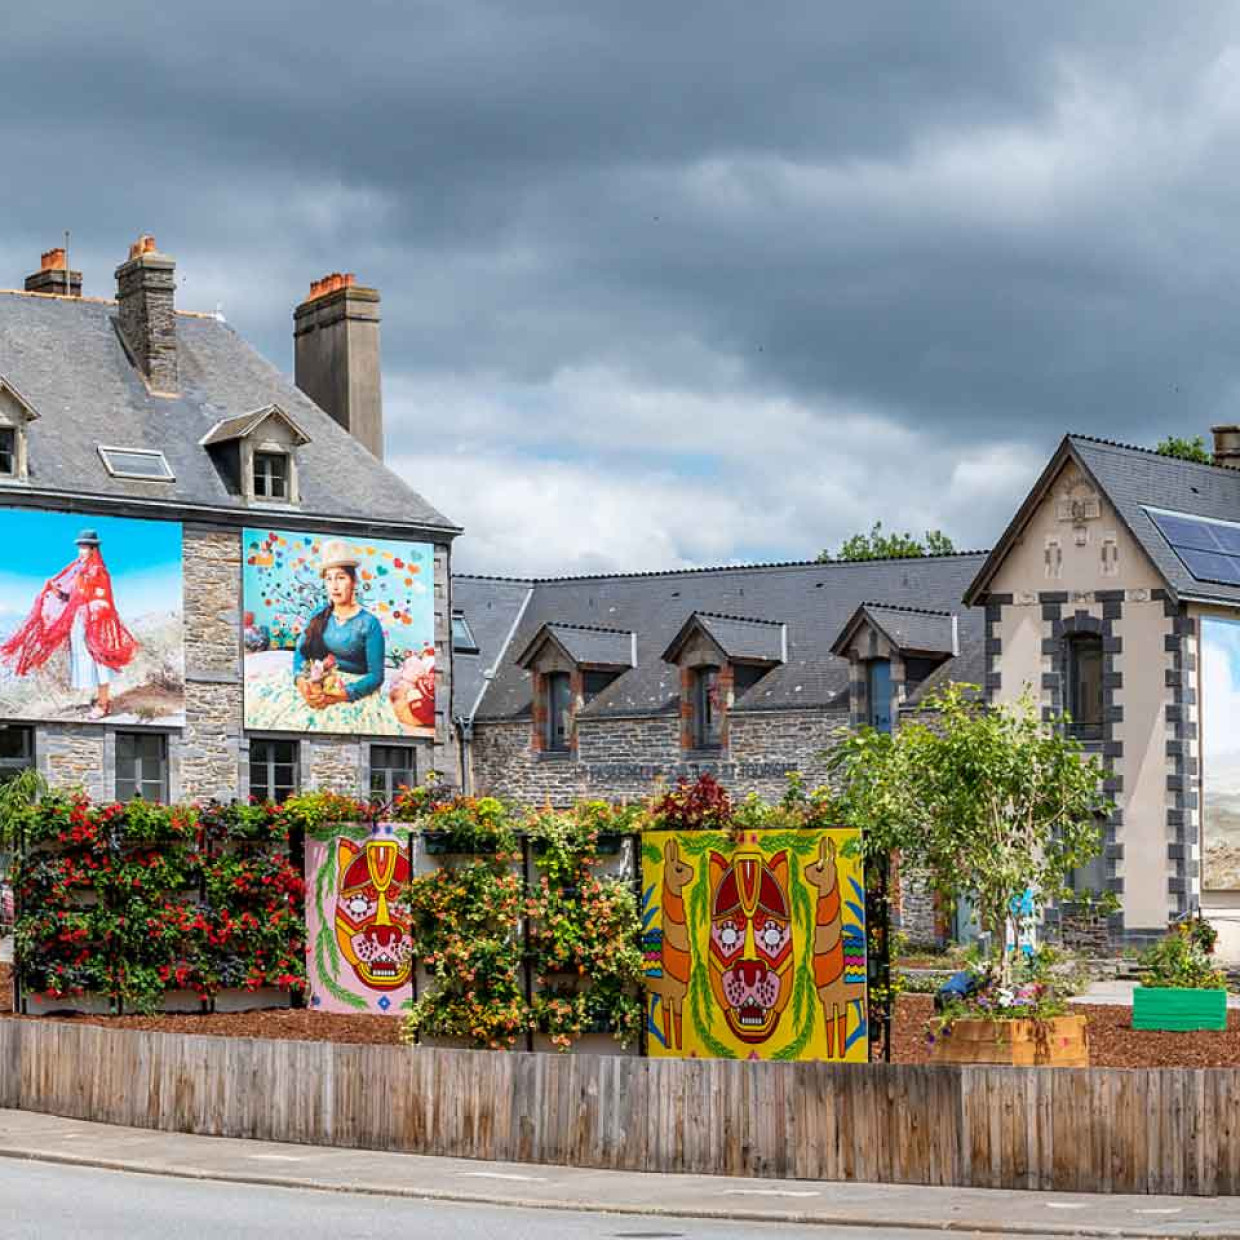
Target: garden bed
1113	1043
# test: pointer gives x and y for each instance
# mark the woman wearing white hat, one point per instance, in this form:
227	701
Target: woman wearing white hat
343	637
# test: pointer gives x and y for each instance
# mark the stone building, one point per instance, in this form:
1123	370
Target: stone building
135	410
598	686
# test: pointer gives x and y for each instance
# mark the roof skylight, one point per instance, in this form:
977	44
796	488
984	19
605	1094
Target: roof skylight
148	464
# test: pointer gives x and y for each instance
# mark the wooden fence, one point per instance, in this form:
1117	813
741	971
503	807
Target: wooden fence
1110	1130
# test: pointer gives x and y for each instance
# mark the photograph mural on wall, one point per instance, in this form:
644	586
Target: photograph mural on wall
754	945
91	619
359	955
1220	746
339	634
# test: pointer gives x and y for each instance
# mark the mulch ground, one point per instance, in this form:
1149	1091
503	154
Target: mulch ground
1113	1043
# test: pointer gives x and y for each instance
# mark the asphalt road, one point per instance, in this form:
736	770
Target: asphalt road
41	1201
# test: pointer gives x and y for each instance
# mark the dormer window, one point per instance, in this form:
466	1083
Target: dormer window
271	475
143	464
569	664
16	414
256	454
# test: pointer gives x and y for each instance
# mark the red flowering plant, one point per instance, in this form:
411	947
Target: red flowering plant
133	900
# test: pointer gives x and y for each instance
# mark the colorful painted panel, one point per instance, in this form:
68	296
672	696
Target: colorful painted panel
755	945
339	634
1220	749
358	949
91	619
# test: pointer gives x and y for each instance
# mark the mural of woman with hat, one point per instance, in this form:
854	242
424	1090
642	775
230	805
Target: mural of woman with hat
76	607
340	655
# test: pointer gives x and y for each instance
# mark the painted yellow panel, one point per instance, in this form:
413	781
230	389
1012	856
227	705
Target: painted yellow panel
755	945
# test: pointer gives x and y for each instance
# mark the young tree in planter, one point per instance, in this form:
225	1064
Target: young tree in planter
990	802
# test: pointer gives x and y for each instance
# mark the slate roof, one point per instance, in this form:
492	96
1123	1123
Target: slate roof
492	606
1132	478
915	629
586	644
814	600
65	356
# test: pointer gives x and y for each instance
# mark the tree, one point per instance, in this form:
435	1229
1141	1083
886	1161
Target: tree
878	545
1185	449
989	802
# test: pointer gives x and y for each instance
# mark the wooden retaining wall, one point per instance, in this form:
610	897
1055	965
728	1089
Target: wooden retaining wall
1109	1130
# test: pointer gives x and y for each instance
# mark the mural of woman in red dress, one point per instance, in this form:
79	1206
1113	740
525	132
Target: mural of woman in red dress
76	607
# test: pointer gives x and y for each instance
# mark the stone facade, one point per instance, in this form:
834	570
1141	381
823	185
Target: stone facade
624	758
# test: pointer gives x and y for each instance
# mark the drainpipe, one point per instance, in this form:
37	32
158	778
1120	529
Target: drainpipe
465	731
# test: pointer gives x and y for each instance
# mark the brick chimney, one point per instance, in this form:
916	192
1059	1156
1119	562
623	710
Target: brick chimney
54	276
336	355
145	293
1226	446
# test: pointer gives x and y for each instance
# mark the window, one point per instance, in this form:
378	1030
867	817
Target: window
270	475
16	750
273	770
392	767
917	668
145	463
463	640
1084	695
878	694
8	451
707	715
559	712
141	766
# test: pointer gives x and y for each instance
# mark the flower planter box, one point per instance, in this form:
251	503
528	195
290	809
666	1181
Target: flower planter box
1177	1008
448	844
606	844
1061	1042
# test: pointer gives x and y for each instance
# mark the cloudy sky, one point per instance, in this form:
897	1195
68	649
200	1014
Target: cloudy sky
675	284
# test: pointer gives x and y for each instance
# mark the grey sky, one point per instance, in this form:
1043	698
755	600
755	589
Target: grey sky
677	283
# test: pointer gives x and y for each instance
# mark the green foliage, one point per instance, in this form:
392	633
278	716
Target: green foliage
989	802
475	925
1183	959
1185	449
878	544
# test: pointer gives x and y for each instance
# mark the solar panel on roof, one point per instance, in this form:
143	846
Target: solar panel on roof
1210	550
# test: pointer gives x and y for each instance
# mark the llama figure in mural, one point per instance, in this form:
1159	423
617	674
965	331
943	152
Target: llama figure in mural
839	980
673	984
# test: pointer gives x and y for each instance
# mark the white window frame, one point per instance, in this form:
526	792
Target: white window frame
155	454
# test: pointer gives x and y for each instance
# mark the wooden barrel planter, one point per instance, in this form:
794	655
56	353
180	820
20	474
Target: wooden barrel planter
1061	1042
1178	1008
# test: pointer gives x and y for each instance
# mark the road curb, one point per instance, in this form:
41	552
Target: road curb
801	1217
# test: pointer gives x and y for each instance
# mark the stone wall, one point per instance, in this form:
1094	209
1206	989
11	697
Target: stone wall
625	758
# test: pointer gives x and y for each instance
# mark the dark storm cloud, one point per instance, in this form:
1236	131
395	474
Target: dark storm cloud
678	258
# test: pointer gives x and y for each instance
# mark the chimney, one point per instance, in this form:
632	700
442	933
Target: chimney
145	290
54	276
336	355
1226	446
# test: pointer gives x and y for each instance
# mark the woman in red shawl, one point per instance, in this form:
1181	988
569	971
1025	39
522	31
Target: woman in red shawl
76	606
